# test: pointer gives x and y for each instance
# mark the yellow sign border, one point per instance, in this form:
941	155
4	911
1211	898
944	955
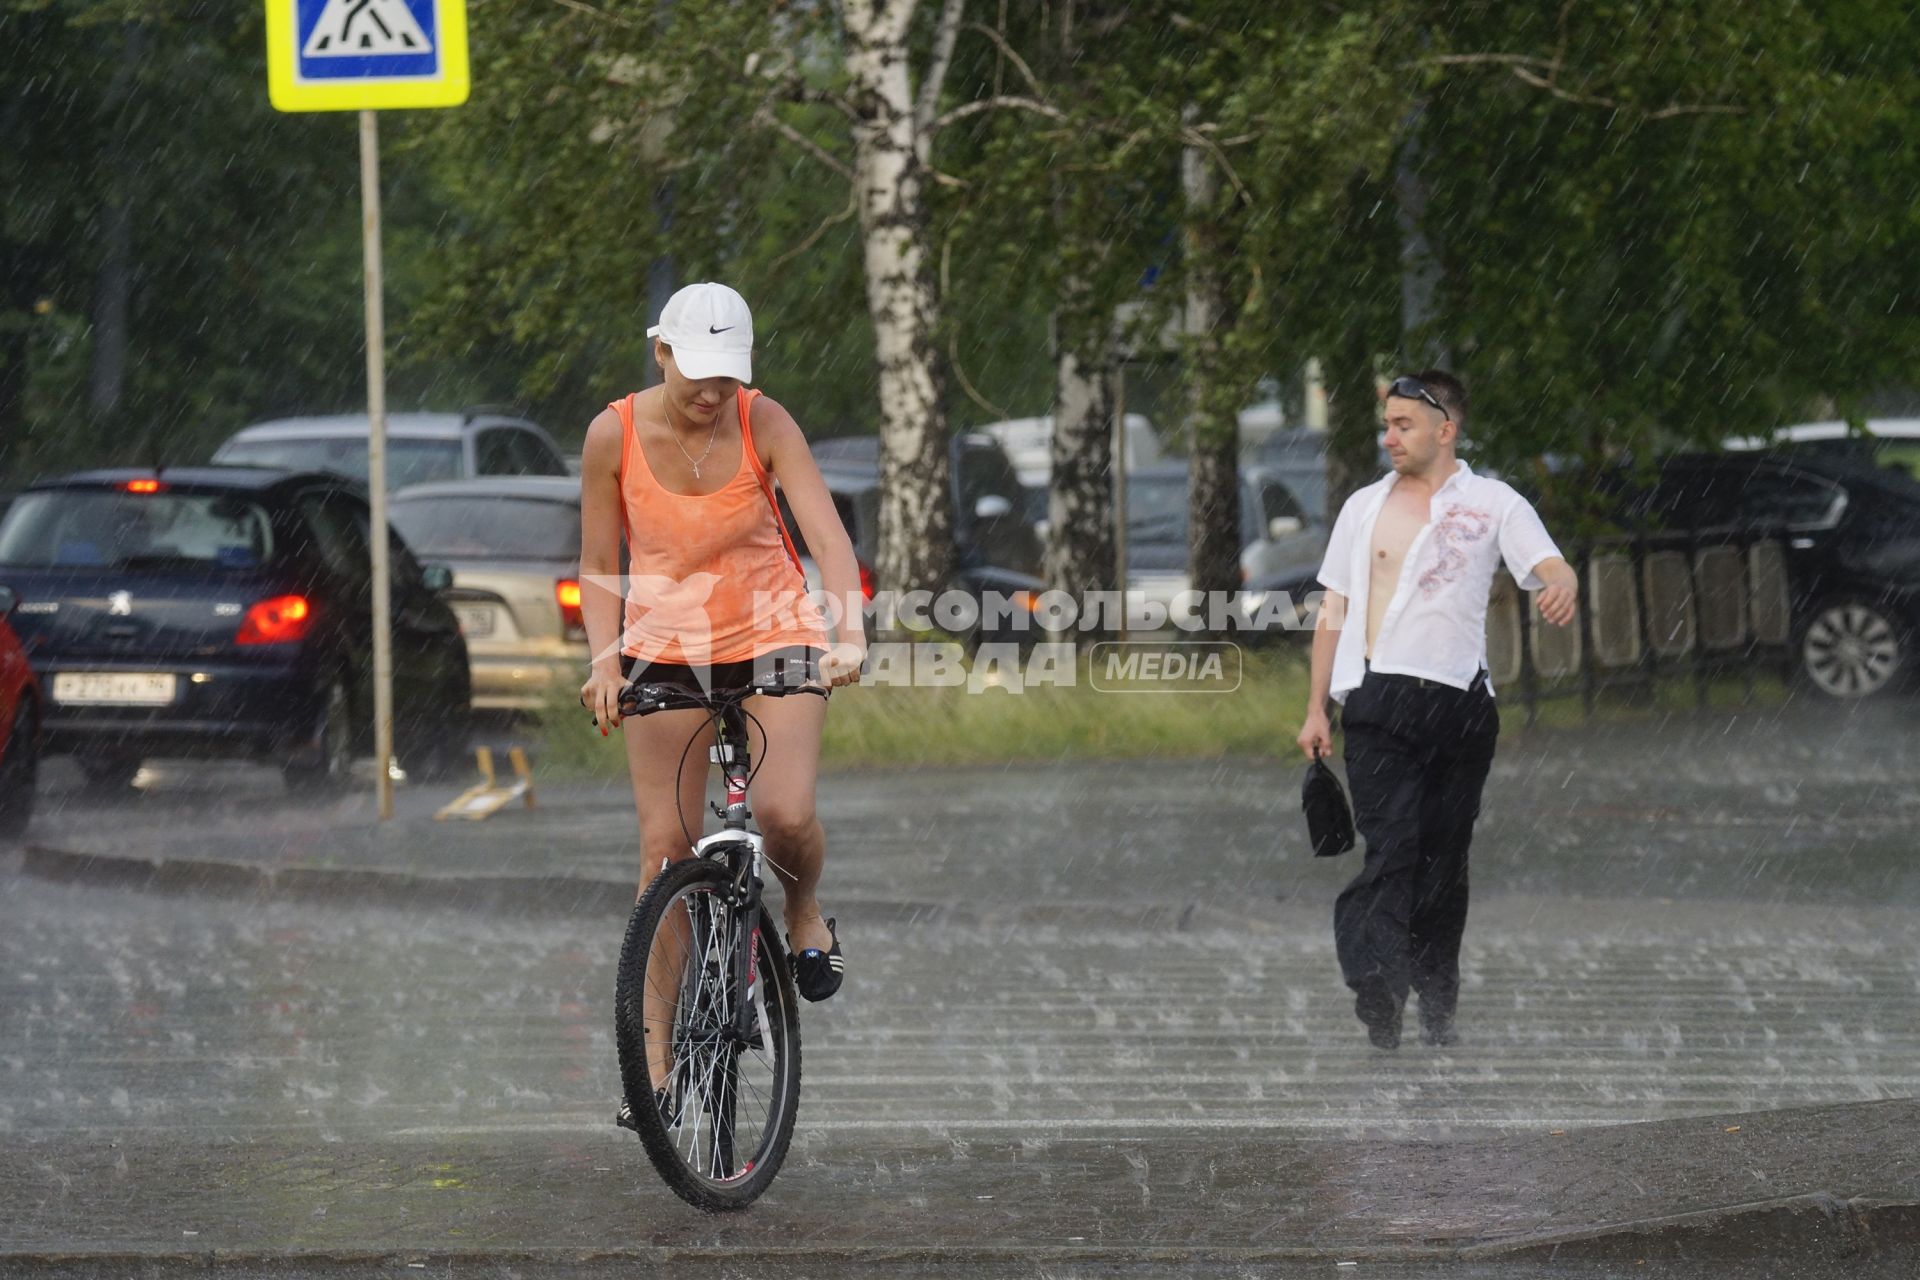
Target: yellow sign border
289	93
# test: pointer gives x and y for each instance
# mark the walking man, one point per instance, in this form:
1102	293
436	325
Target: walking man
1401	644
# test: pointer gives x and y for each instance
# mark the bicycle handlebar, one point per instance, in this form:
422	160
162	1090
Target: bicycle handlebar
646	697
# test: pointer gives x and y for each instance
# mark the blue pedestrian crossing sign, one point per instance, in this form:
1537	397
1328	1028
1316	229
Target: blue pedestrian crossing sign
357	55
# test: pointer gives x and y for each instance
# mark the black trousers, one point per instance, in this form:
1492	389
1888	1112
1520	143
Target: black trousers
1418	753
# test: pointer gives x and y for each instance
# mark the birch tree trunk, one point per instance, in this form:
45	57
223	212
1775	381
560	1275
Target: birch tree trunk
1213	490
1080	512
916	511
1080	490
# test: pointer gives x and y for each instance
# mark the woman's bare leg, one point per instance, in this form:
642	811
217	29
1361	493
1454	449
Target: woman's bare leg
784	736
655	747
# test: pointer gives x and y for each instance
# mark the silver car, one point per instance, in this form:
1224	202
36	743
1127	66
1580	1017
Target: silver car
421	447
1277	535
514	547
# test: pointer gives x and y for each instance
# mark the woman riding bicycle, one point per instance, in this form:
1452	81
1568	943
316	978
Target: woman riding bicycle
716	598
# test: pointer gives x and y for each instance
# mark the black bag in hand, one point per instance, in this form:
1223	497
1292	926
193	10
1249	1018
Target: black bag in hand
1329	820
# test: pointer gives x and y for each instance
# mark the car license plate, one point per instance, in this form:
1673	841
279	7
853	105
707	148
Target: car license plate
114	688
476	620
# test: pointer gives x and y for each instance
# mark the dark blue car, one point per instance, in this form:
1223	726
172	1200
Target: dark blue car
225	611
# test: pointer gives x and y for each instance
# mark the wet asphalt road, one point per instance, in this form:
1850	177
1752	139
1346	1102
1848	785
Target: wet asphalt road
1054	970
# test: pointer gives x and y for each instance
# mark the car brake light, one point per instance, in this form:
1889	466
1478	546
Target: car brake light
566	593
281	620
866	578
143	486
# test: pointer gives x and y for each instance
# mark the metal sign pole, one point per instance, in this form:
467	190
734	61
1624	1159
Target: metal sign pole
1120	486
377	461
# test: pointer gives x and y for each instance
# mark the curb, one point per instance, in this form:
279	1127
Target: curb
1818	1226
1802	1230
211	878
532	895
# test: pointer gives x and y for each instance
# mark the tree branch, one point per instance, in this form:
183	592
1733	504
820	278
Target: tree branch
1529	71
766	117
953	335
966	383
579	7
1007	102
1007	50
945	36
1197	138
853	207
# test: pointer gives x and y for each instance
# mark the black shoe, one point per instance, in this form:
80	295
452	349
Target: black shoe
816	973
1380	1012
662	1098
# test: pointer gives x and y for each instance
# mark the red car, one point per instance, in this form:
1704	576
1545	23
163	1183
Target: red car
19	727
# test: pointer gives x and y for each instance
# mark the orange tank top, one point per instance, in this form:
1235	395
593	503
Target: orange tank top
711	577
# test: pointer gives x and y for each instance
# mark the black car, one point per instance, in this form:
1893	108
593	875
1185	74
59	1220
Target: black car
225	611
1852	534
996	550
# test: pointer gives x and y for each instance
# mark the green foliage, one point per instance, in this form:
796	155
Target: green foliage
1668	226
243	263
1657	223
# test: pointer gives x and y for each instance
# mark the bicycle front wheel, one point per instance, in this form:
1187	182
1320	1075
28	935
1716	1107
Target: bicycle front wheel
711	1069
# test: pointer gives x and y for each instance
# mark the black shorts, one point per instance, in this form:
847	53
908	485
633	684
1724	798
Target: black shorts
792	666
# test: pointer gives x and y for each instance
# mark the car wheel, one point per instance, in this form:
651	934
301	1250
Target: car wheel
1851	649
19	772
109	772
326	761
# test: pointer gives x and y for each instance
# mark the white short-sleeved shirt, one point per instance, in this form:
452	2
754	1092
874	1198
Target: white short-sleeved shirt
1436	624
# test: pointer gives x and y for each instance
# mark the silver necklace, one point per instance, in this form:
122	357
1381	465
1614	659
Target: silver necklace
691	460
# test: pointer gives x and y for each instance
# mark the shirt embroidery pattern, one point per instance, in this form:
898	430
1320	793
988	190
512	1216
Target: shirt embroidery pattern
1457	529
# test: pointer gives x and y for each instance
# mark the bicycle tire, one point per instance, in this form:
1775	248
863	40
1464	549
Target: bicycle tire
739	1156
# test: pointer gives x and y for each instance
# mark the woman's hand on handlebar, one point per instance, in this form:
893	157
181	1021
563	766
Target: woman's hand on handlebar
842	662
601	695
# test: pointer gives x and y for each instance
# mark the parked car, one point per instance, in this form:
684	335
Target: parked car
226	612
513	545
421	447
996	549
1852	533
1028	443
1297	457
1277	535
20	716
1884	442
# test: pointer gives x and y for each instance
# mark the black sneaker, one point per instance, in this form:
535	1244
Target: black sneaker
662	1098
817	974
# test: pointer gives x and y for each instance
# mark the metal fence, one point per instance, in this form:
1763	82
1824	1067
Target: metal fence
1652	607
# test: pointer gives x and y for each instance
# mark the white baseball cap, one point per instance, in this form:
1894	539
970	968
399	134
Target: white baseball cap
710	330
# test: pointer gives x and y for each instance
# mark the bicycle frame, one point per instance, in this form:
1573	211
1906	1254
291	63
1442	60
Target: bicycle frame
736	843
742	848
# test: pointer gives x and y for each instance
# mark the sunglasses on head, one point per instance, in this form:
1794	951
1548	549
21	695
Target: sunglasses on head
1414	389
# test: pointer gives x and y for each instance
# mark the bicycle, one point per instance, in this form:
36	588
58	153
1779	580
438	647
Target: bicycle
724	1009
